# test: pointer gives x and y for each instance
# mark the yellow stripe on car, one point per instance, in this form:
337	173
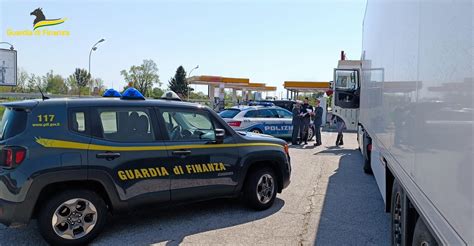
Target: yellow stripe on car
61	144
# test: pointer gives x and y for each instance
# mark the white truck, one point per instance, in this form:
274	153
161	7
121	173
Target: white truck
413	94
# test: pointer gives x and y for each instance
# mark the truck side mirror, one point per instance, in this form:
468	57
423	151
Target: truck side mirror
220	135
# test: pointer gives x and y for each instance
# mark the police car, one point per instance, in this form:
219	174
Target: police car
70	162
270	120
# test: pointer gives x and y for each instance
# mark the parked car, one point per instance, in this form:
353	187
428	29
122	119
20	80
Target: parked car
68	163
271	120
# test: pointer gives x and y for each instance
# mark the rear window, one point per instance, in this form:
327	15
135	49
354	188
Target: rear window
229	113
13	122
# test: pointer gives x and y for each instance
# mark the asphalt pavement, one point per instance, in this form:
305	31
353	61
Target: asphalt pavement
330	201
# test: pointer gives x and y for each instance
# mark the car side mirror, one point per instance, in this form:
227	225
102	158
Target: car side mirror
220	135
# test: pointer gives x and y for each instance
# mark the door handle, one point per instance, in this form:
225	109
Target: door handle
181	152
108	155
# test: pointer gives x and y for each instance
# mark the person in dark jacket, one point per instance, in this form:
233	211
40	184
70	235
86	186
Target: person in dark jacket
305	114
296	123
318	121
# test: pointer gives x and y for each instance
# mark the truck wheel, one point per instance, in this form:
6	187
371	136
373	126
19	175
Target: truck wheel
260	189
422	236
367	167
398	214
73	217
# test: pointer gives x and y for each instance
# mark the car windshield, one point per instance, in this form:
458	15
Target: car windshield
229	113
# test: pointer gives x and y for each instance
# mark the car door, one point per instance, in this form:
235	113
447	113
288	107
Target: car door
286	118
201	168
128	147
271	122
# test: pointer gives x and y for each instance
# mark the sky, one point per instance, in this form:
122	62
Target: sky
266	41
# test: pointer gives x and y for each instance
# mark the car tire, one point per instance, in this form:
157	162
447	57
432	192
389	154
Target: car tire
256	130
89	214
310	133
421	235
397	213
260	189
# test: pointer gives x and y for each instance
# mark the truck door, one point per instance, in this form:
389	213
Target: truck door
346	88
201	168
128	147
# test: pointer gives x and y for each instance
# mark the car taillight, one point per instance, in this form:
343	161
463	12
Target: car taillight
234	123
13	156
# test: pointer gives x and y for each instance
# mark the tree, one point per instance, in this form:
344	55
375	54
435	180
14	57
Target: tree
33	83
82	78
143	77
97	85
22	79
55	83
179	84
157	92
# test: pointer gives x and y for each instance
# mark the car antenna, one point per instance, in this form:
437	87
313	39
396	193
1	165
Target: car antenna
42	95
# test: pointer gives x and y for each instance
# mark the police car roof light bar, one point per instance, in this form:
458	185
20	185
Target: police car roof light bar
111	93
132	94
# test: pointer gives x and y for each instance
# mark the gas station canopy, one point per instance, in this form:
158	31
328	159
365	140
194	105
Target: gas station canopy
221	83
217	80
306	86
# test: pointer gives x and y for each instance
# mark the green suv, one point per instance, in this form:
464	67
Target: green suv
69	163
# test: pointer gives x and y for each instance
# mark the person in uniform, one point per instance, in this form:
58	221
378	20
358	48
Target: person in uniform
305	114
296	122
318	121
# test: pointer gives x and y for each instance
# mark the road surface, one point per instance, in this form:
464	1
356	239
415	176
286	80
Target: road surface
330	201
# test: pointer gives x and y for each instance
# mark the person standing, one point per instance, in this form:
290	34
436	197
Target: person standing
340	125
318	121
296	123
305	113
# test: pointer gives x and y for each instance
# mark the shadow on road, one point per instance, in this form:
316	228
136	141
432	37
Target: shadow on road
152	225
352	213
174	224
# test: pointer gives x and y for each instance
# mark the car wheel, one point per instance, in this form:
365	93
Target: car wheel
256	130
260	189
422	236
74	217
310	133
398	214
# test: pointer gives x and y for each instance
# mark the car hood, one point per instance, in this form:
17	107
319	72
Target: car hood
250	136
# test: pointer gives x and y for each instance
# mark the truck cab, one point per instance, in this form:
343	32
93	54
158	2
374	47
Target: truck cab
346	87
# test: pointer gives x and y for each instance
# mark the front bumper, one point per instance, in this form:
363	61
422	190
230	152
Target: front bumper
287	174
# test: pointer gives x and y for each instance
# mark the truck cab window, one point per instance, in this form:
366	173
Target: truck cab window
347	80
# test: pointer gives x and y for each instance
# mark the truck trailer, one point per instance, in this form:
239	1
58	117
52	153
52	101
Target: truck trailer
411	94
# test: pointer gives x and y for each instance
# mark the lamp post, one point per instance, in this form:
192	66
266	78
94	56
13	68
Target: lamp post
94	48
189	75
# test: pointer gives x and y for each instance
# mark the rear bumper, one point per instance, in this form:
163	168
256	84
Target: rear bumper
9	211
